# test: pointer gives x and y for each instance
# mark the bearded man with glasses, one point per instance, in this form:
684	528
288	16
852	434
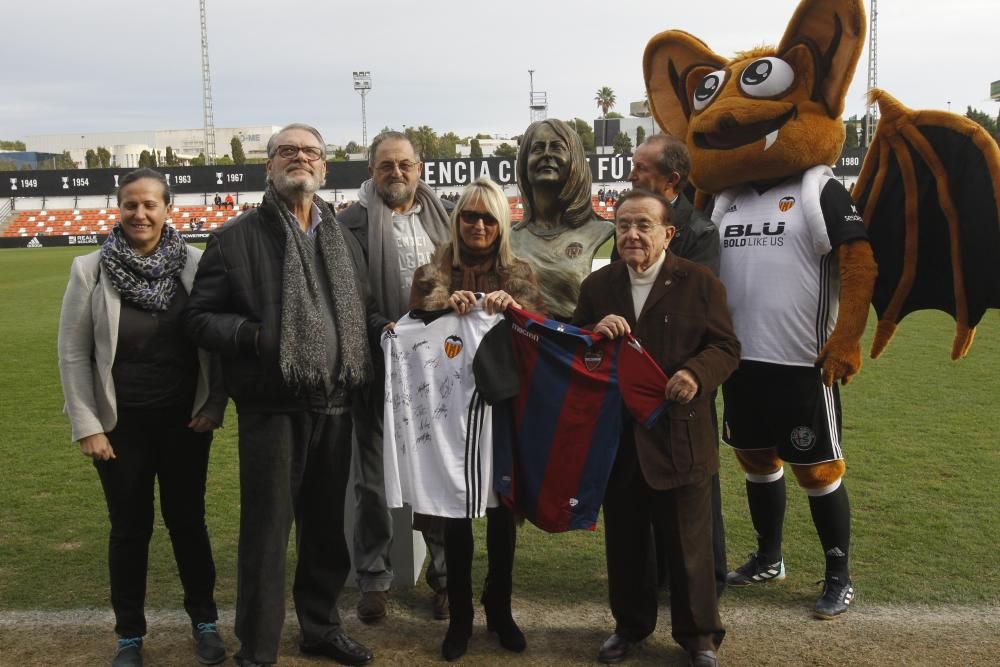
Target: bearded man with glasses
281	295
398	221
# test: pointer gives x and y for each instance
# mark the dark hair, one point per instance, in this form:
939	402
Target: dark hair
140	174
387	135
673	157
639	193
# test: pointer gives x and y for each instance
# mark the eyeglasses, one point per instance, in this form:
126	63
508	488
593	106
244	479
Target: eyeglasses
389	167
288	152
472	217
623	227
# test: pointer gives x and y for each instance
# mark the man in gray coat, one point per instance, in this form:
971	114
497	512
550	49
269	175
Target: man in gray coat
398	221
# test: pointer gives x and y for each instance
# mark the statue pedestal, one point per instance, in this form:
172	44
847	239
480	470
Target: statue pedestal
407	550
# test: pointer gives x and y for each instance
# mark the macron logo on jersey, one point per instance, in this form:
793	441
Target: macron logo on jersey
853	215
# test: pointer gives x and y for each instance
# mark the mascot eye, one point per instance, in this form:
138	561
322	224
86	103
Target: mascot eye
708	88
767	77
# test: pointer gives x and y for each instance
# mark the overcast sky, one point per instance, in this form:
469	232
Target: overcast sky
105	65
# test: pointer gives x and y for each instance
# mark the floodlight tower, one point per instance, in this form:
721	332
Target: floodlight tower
871	113
363	84
206	91
538	101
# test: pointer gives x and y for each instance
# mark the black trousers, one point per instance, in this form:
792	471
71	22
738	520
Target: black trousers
718	530
151	445
293	466
501	542
684	516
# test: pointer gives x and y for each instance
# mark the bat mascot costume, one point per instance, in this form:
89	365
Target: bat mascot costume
799	254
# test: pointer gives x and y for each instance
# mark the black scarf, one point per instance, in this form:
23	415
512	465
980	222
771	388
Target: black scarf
302	342
150	281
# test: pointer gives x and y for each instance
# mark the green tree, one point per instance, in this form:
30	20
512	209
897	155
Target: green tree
640	135
613	114
11	145
197	161
103	157
225	160
852	129
605	99
171	157
484	136
8	165
352	147
505	150
236	146
622	144
447	143
586	133
988	122
475	150
341	154
425	140
146	159
90	159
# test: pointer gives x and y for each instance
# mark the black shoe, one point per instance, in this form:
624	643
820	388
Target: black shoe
704	659
209	649
456	641
128	653
756	571
615	649
243	662
838	592
502	623
341	648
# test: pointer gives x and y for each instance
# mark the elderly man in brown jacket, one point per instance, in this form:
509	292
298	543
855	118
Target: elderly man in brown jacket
677	309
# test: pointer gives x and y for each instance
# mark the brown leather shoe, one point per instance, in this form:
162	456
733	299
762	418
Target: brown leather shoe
440	605
371	606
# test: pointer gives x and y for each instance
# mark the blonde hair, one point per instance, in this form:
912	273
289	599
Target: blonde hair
485	191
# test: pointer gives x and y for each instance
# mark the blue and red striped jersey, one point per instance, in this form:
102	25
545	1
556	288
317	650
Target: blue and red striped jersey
553	455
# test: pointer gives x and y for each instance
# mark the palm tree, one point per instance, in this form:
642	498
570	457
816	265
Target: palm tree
605	99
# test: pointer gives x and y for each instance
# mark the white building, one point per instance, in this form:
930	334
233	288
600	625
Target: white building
489	147
125	147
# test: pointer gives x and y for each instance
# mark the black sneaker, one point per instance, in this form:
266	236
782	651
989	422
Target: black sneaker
756	571
838	592
209	649
128	653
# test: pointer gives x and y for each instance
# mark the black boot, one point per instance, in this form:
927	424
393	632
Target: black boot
458	559
501	538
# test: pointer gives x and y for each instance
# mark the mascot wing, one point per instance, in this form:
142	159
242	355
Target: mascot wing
929	192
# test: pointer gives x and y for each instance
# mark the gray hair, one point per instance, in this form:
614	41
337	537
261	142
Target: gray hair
673	157
387	135
272	143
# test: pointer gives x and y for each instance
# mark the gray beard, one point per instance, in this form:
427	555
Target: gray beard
294	189
395	198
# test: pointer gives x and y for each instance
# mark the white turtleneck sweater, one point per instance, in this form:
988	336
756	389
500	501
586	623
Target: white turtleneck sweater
642	283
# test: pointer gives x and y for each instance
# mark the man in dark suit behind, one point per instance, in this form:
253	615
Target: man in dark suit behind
661	164
663	475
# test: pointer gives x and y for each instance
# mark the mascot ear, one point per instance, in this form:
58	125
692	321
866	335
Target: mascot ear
834	31
673	65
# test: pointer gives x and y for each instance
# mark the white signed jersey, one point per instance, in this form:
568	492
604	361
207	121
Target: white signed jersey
438	432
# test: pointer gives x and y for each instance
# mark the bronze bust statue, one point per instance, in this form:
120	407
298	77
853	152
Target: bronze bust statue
560	232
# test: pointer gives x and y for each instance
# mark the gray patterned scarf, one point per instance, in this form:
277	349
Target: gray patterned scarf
148	282
302	342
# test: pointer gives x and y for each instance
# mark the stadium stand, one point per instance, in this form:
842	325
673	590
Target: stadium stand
67	222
